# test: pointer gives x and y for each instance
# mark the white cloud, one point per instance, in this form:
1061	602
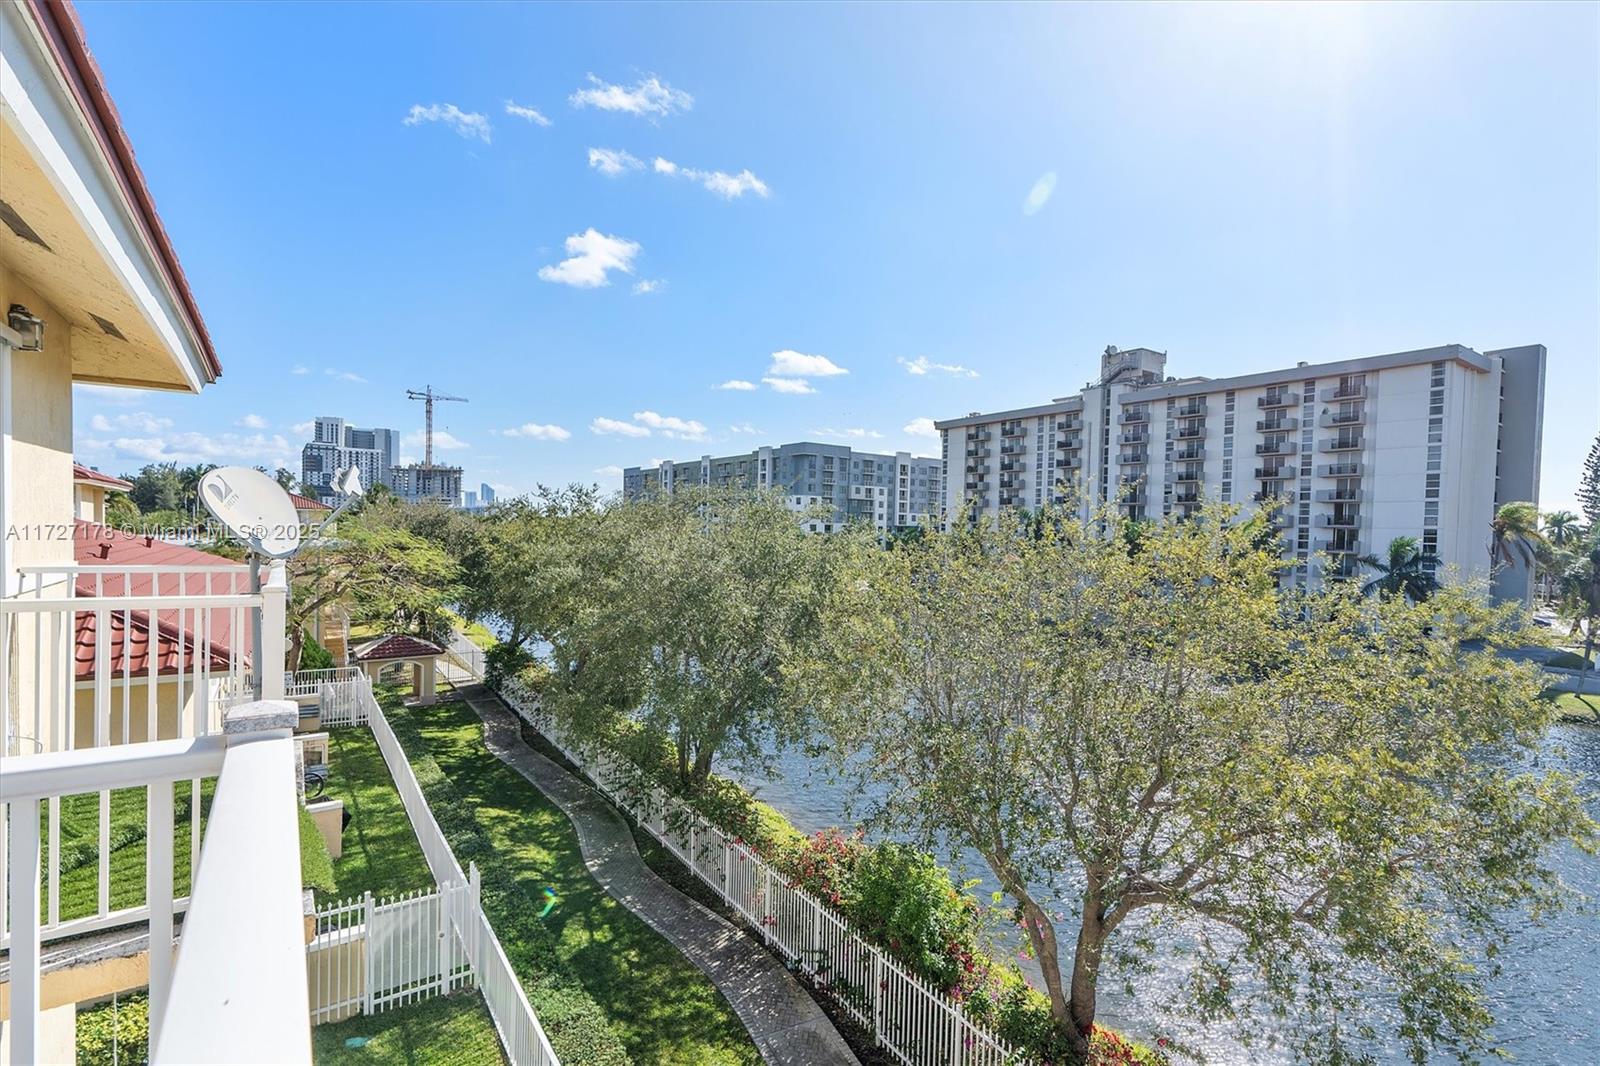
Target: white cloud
647	286
133	422
920	427
1039	195
850	434
468	124
345	375
922	365
609	426
303	429
613	161
669	426
298	369
650	96
743	428
523	111
738	385
253	422
728	186
590	255
609	471
792	386
536	431
194	447
443	440
791	364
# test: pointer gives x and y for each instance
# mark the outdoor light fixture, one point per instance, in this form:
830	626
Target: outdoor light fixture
26	329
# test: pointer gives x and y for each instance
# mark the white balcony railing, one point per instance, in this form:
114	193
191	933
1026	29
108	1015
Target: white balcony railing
297	683
239	977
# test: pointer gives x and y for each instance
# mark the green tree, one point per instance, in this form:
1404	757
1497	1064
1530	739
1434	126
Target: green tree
157	487
1302	784
1580	593
1514	535
1589	485
285	477
1562	528
379	570
121	511
1406	570
693	602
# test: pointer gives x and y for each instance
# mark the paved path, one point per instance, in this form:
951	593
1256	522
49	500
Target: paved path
788	1027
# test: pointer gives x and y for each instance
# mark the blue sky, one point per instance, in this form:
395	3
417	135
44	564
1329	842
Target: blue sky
884	188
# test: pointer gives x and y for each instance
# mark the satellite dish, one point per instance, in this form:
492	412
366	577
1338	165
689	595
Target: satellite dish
254	508
348	483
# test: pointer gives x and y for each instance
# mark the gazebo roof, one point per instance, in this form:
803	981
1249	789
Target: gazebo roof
396	646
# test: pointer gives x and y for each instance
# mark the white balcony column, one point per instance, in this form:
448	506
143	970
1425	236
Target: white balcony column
24	952
273	622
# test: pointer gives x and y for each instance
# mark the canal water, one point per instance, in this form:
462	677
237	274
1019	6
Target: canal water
1546	999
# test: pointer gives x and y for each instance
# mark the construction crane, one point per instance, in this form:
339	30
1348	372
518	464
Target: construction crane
428	397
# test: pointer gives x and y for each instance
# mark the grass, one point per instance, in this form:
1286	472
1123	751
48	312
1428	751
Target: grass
445	1029
662	1007
1575	707
79	833
381	854
476	632
316	865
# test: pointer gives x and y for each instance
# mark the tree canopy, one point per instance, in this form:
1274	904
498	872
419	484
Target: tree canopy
1313	788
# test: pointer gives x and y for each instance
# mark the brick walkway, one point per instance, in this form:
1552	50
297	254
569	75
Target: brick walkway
788	1027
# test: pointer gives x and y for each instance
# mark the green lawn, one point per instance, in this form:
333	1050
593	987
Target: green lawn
663	1008
381	853
1576	708
80	848
445	1029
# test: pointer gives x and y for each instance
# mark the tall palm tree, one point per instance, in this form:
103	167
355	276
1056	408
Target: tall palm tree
1514	535
1408	570
1562	528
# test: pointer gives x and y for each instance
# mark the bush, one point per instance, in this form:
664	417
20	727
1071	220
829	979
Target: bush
826	865
505	660
123	1028
903	900
314	656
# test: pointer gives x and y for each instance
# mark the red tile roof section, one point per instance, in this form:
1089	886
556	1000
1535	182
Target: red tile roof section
396	646
176	637
306	503
63	33
83	473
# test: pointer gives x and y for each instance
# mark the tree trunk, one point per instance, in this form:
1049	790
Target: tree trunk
291	655
702	765
1086	967
682	744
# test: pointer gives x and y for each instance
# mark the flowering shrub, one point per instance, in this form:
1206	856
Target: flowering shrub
826	863
903	900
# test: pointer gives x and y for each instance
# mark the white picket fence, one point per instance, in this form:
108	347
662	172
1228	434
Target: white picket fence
372	955
916	1023
468	655
521	1035
310	682
345	702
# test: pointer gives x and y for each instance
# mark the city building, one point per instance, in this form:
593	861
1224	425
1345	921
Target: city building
336	445
416	482
469	500
1353	453
890	491
486	493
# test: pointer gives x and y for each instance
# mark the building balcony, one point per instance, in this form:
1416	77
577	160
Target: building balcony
1277	425
1189	433
1016	499
1069	425
1278	447
1134	458
1344	392
1130	480
1013	448
977	486
1193	408
1268	494
1344	520
1133	436
1133	417
981	451
1338	496
1068	463
1189	474
1069	441
1016	430
1338	546
1350	469
1330	419
1275	472
1340	444
1278	399
1011	464
979	433
1187	498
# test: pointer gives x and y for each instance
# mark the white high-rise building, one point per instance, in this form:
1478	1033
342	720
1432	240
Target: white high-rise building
1424	444
335	446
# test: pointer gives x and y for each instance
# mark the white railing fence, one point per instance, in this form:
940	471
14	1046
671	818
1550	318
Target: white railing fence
520	1033
346	702
372	955
916	1023
297	683
467	655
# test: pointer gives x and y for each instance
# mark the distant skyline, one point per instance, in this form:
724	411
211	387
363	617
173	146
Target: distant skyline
628	233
